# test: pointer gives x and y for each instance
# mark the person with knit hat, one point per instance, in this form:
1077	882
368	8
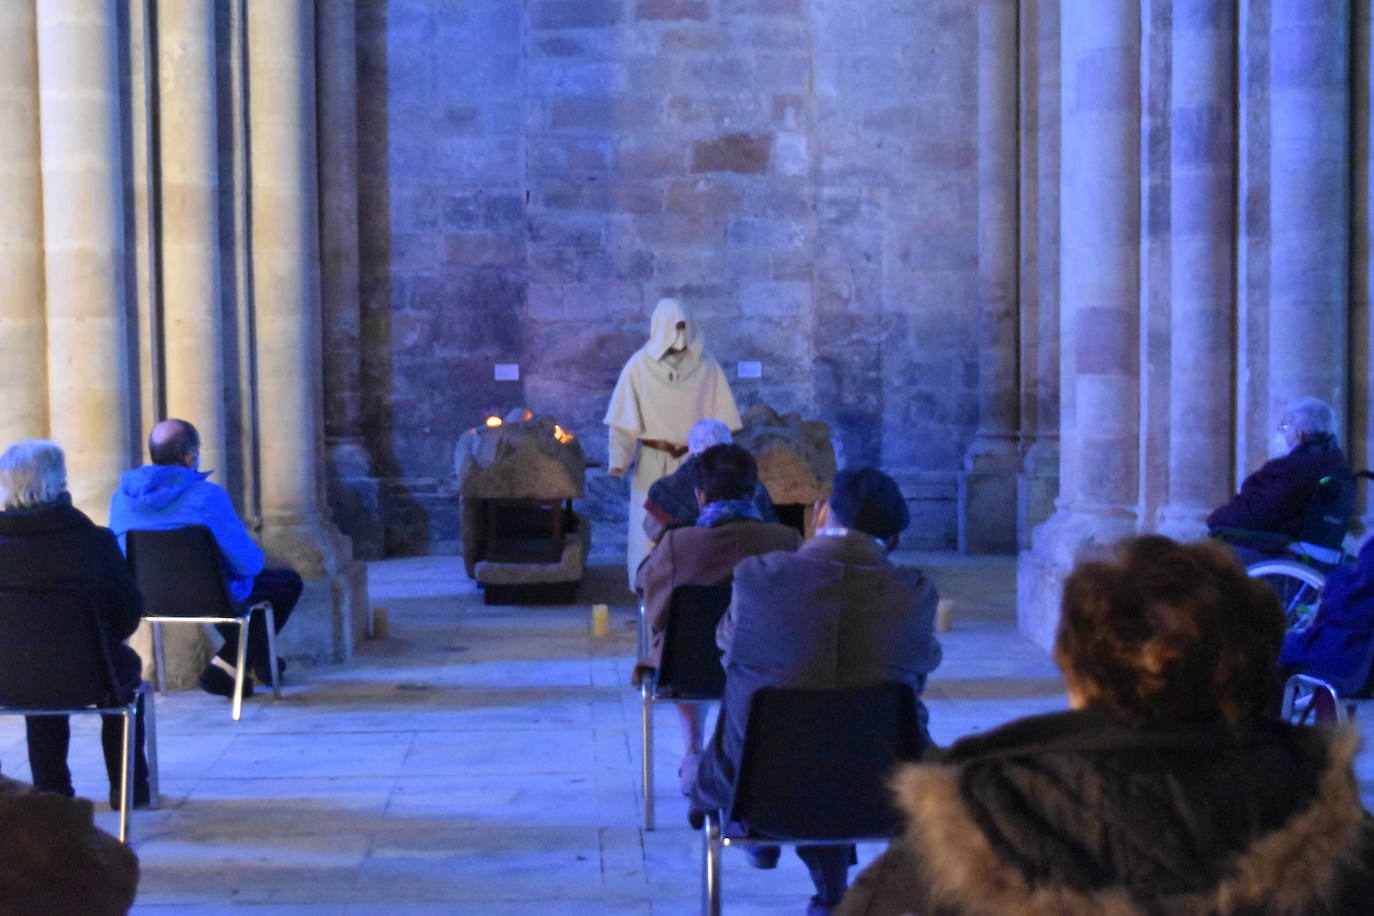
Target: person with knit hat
835	613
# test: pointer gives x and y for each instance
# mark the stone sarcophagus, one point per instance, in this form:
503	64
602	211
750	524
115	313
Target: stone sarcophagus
796	461
517	478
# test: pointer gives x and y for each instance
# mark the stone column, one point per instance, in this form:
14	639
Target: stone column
192	318
1309	133
1361	437
987	488
83	227
285	253
23	338
1039	481
1202	212
1100	250
352	487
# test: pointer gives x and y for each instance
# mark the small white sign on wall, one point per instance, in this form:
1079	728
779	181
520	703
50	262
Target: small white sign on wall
750	369
507	372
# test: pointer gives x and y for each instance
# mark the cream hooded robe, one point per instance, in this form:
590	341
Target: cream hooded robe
660	395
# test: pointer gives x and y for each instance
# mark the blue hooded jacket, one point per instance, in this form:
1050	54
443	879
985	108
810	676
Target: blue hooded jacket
157	497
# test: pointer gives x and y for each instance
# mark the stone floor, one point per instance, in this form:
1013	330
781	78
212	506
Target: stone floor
484	760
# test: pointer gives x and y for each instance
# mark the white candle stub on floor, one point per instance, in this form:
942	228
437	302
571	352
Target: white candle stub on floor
601	620
944	615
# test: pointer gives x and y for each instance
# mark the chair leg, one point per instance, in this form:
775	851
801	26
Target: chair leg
646	713
159	660
150	744
271	622
126	774
710	883
241	669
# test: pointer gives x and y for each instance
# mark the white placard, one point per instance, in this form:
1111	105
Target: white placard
507	372
750	369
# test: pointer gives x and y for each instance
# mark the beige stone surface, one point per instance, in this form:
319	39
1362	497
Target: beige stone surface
796	458
83	233
521	459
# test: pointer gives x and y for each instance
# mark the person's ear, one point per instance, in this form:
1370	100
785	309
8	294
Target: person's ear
701	497
892	542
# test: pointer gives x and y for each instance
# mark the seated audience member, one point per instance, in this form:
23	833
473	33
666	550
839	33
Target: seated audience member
1164	789
672	501
727	530
1275	498
45	542
55	860
173	492
836	613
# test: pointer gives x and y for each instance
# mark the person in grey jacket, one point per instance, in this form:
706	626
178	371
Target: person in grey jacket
173	492
836	613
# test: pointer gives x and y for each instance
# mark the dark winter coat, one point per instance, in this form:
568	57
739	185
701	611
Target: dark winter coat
1076	813
57	546
1275	498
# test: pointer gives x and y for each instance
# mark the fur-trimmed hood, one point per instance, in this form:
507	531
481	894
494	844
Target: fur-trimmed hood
1010	827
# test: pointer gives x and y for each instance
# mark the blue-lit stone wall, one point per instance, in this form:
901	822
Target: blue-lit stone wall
533	177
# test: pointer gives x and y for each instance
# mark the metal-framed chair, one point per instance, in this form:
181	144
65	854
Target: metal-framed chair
689	671
813	771
1311	700
56	661
178	571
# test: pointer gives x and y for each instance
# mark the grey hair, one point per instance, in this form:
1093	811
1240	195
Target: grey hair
1310	415
706	433
33	472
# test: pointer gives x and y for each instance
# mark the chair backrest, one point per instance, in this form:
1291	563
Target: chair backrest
54	654
1329	510
179	573
815	763
690	668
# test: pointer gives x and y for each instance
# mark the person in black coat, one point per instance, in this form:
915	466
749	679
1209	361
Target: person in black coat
47	542
1276	497
1165	789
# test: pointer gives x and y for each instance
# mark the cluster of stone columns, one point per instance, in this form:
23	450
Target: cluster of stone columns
1295	318
71	324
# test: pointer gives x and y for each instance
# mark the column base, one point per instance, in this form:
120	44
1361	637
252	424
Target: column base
1037	487
1057	546
355	498
1183	523
987	496
332	616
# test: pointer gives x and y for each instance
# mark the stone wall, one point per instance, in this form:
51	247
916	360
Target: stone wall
533	177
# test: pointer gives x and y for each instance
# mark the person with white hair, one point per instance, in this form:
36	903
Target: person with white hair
665	386
1275	499
45	542
672	501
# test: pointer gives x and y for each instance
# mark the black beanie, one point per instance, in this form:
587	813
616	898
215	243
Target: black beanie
868	500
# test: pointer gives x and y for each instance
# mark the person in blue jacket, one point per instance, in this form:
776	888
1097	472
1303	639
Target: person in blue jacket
173	492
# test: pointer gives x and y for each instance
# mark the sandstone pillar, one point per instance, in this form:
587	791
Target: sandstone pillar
1361	436
23	338
1039	481
987	488
1099	335
352	487
1309	132
192	318
285	253
1202	292
87	342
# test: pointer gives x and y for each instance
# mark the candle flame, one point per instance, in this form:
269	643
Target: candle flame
493	422
561	434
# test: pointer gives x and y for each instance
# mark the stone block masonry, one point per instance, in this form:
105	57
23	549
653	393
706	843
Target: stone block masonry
534	178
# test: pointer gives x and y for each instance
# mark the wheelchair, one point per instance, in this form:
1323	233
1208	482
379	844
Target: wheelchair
1296	568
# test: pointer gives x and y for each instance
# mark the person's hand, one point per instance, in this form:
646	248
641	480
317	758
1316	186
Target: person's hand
616	472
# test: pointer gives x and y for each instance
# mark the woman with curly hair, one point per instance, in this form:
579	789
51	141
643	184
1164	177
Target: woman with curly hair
1164	789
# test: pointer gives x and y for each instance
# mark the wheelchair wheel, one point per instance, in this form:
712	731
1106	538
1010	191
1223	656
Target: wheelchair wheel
1297	585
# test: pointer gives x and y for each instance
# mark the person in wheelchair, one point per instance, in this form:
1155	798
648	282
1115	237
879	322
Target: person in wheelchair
1306	494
